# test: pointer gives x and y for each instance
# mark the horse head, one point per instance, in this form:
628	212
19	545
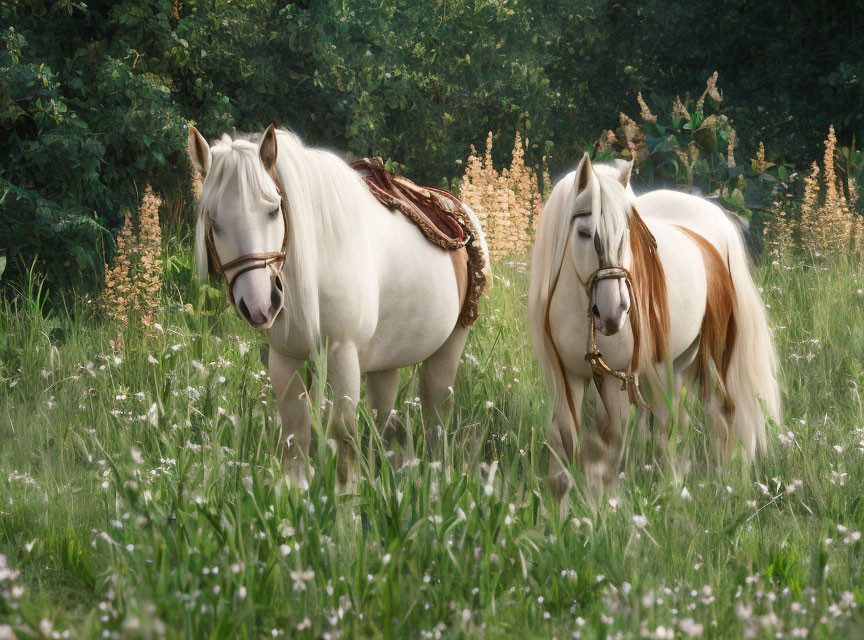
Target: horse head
600	247
243	222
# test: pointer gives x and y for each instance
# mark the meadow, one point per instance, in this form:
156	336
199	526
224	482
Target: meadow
141	494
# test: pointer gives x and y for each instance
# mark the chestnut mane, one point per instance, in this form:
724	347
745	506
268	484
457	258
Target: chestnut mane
650	316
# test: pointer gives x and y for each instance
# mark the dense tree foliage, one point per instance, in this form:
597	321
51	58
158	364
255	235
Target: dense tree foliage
95	97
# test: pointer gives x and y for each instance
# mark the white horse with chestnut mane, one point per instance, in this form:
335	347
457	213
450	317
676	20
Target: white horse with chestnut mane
310	256
679	273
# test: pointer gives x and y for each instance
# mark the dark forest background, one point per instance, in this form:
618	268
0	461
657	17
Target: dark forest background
95	97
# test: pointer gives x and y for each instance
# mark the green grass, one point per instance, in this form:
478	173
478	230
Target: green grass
141	495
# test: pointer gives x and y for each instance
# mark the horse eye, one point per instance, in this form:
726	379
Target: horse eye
584	234
274	213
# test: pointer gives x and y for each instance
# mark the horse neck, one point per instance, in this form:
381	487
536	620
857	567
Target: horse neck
323	205
324	231
651	315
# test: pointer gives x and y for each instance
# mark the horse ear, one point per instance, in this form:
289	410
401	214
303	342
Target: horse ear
624	175
199	151
267	149
583	174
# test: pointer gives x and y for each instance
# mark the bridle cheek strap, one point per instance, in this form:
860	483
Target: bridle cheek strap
273	260
629	378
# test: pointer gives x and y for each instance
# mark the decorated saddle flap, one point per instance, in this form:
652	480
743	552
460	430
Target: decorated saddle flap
442	219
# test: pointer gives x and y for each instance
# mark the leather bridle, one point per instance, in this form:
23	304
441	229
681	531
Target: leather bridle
629	378
274	260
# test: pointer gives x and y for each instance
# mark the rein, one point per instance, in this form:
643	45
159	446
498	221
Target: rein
274	260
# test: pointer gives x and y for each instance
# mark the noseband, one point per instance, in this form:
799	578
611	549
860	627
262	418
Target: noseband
629	378
274	260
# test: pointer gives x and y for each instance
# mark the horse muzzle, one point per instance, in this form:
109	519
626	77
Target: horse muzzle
260	308
610	301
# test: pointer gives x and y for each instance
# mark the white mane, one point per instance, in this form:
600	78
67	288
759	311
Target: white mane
610	209
324	197
229	157
613	170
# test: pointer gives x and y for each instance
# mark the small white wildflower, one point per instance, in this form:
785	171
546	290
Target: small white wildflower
691	628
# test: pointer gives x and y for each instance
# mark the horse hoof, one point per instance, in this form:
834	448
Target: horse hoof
559	484
295	475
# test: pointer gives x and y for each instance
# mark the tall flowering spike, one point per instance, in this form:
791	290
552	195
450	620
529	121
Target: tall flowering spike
812	232
710	90
778	230
838	217
197	185
679	110
607	140
831	193
760	165
506	202
528	204
730	150
134	283
634	137
644	111
150	248
629	126
119	287
488	158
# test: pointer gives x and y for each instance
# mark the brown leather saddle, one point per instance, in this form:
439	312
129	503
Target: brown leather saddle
442	219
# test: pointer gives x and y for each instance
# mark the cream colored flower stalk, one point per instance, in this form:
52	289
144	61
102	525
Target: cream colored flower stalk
710	90
644	111
730	150
133	284
679	110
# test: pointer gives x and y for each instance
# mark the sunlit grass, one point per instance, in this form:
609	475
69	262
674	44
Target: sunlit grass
141	495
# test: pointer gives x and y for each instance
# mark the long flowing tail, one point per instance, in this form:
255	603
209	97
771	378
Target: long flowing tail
753	363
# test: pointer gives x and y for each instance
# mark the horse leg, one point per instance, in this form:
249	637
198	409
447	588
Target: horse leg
564	432
381	390
617	409
343	371
437	375
292	400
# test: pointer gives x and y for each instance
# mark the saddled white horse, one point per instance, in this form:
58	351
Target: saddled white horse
313	258
680	275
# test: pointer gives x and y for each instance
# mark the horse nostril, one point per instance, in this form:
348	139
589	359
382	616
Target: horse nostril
244	310
595	311
276	297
